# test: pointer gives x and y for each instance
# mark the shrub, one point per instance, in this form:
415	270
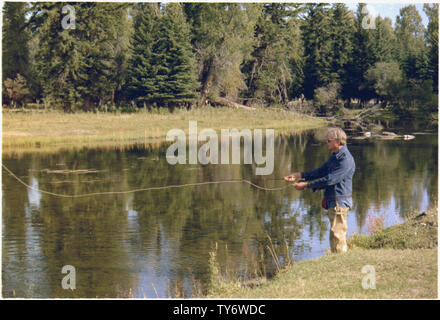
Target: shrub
381	74
409	97
16	90
327	98
129	108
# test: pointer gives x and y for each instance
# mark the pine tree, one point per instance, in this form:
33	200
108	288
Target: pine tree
121	53
75	65
96	37
431	37
422	68
342	30
15	40
58	59
15	59
409	32
162	67
362	57
176	77
317	49
140	83
384	41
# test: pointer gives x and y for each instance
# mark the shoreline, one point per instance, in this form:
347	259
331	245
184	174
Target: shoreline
52	131
403	257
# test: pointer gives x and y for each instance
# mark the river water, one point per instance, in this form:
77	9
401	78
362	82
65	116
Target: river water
157	243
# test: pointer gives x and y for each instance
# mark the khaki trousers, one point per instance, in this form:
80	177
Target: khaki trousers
338	230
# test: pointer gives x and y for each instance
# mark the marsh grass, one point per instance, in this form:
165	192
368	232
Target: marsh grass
231	276
375	222
52	130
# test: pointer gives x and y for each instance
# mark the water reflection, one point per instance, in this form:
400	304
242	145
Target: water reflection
33	194
157	243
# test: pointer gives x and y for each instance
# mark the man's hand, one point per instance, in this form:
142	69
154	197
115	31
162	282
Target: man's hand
293	177
301	185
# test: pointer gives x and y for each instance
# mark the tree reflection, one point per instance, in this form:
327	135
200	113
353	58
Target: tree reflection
153	240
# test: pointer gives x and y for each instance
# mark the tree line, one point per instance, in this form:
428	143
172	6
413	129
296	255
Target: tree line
310	57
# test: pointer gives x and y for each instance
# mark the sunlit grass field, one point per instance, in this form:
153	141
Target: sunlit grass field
40	131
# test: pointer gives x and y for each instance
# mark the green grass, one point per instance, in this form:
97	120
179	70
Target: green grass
41	131
399	274
414	233
405	267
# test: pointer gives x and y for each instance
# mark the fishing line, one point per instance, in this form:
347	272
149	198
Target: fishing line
143	189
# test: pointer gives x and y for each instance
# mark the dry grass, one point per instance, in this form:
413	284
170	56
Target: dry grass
49	131
375	222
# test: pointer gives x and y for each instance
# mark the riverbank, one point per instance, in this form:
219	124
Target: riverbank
404	258
52	130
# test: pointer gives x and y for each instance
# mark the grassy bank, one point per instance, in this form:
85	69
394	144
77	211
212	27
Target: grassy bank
404	258
50	130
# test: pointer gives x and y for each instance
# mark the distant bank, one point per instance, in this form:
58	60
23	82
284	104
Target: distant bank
48	131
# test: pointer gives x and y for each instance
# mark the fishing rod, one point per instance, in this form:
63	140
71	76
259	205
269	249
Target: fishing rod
149	188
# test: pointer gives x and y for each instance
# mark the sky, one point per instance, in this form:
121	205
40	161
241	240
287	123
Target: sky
389	9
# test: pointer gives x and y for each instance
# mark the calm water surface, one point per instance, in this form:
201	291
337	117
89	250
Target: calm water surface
157	243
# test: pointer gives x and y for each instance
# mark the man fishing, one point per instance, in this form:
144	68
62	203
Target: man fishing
335	176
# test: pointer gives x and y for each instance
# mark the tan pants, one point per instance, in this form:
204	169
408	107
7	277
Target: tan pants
338	230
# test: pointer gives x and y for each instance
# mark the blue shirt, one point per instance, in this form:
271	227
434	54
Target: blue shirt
336	177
